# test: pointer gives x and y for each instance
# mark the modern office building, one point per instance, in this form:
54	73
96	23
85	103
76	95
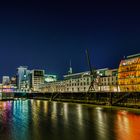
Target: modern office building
37	79
23	78
5	80
129	74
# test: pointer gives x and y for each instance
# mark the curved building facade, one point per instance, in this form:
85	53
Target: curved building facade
129	74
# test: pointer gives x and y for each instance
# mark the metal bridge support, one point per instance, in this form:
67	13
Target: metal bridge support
54	96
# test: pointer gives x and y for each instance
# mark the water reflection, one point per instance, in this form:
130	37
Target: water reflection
65	112
45	105
54	112
127	126
39	120
101	126
80	115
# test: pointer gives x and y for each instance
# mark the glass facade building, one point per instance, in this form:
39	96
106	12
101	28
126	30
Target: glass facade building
23	79
129	74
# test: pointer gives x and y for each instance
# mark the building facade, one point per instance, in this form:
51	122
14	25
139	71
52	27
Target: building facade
77	82
129	74
51	87
23	78
37	79
107	80
5	80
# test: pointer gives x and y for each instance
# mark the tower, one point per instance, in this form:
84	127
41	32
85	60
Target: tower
23	78
70	69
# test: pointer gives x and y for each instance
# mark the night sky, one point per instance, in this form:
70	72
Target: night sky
47	35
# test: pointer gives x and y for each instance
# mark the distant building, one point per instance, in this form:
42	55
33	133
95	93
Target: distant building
23	78
5	80
57	86
79	82
37	79
107	80
13	80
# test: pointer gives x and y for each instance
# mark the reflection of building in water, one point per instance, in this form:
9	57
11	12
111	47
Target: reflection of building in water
80	114
101	123
127	126
54	114
65	111
45	104
129	74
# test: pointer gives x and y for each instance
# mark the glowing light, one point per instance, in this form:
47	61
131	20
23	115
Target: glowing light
80	115
66	112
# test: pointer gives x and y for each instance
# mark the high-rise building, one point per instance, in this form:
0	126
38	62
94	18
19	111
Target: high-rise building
23	78
5	80
37	79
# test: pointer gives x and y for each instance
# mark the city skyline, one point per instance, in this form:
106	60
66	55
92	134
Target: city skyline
122	79
48	35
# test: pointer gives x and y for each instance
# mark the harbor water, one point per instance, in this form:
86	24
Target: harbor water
42	120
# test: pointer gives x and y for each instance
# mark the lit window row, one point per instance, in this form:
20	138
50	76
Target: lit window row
130	88
134	67
129	81
129	74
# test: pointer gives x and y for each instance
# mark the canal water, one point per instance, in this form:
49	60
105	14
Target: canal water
43	120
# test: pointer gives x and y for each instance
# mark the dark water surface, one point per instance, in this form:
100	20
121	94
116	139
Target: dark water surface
43	120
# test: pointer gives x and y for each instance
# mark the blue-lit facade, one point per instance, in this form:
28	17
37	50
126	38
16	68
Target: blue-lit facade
23	78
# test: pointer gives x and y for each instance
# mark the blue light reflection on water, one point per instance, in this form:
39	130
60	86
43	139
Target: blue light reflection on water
39	120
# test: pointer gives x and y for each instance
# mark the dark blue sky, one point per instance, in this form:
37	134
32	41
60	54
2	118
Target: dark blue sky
47	35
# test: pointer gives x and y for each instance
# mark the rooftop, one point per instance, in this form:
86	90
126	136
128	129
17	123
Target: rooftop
133	56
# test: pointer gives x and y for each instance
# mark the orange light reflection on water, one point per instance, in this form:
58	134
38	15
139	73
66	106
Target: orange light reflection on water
127	126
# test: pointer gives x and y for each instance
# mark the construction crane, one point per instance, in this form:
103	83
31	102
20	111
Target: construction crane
93	74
